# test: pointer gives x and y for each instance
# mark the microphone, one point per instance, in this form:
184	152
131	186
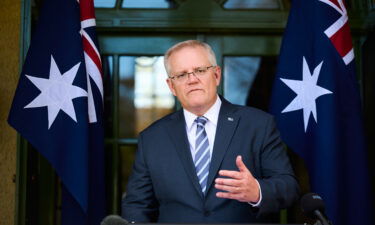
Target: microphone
313	206
114	220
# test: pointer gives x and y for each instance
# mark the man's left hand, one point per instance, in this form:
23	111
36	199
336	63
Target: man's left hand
240	185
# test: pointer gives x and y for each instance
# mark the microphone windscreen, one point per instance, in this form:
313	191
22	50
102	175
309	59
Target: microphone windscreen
311	202
114	220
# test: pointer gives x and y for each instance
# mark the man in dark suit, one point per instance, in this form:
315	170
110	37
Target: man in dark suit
212	161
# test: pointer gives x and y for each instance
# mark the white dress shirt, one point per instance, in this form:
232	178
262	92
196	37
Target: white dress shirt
212	116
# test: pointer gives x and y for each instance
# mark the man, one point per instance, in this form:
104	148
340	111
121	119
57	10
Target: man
212	161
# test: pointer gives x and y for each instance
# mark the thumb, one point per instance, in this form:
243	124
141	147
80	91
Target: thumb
240	164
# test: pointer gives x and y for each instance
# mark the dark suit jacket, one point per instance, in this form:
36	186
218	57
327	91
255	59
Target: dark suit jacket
164	186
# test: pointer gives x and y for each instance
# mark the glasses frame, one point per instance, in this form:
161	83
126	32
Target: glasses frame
196	72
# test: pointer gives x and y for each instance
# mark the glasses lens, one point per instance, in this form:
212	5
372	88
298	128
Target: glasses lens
200	71
181	77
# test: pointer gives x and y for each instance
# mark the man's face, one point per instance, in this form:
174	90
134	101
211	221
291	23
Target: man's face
196	94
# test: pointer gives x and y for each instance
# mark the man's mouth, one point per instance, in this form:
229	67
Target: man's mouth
194	90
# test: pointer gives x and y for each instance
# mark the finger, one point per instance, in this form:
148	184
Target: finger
240	164
227	188
230	173
229	182
229	195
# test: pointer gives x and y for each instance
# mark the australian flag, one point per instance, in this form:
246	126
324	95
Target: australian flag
317	107
58	105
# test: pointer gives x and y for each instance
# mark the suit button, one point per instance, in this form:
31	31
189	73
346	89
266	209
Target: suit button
206	213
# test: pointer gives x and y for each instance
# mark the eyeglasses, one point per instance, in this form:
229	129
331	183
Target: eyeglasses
198	72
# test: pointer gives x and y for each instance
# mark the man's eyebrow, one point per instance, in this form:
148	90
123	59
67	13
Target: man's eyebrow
182	71
185	71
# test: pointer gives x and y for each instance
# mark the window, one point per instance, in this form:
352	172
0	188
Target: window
147	4
251	4
104	3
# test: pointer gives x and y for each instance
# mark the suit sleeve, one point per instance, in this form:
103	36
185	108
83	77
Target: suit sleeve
140	204
278	183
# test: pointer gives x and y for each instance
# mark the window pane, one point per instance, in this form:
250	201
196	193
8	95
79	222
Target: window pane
251	4
248	80
239	74
147	4
144	93
107	62
127	156
104	3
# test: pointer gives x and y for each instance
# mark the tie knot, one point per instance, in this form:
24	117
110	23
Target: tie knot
201	120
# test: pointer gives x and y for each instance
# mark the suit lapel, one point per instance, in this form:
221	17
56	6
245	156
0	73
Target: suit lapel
177	132
227	124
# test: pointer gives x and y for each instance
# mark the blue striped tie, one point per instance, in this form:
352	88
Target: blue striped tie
202	153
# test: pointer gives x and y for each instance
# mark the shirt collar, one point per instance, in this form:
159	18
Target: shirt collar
212	114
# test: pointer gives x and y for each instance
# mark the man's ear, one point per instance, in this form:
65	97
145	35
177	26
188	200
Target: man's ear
171	86
217	75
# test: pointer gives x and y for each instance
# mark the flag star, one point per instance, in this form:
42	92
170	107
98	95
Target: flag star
57	92
307	92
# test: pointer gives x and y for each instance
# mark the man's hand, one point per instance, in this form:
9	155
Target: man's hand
240	185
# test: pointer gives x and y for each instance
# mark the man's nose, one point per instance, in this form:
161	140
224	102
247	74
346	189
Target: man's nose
192	78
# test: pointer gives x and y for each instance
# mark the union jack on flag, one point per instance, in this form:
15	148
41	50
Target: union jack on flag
92	56
58	105
339	31
317	107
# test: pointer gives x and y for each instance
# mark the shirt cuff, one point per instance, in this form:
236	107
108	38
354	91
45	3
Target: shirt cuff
256	204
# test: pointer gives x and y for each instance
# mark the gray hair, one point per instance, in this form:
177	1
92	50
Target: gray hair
193	44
